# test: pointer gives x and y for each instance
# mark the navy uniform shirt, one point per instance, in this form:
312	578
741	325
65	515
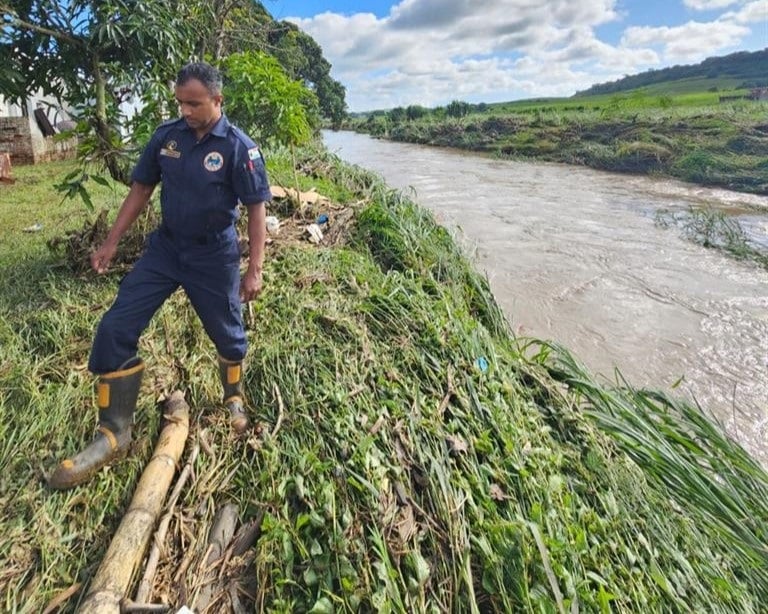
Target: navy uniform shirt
202	181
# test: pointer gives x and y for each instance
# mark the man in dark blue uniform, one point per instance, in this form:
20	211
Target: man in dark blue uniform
206	166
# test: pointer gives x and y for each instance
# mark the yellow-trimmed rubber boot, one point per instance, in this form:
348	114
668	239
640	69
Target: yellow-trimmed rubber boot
116	395
231	373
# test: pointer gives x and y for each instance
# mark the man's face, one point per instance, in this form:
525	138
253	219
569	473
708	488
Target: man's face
197	106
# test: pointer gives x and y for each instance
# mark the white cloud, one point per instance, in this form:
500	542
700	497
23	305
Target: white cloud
752	12
430	52
689	42
708	5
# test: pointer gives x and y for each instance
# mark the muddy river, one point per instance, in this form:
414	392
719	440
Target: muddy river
577	256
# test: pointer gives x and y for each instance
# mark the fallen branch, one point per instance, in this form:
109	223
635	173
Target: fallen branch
280	413
222	530
62	597
126	551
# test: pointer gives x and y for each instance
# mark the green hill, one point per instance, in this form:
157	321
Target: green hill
742	69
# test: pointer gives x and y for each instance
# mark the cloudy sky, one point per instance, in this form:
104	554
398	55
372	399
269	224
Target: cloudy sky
430	52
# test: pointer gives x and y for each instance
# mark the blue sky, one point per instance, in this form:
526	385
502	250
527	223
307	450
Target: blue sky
430	52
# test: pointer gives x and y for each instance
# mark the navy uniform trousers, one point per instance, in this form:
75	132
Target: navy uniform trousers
207	268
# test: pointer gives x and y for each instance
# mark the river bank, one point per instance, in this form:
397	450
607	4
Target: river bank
722	145
409	454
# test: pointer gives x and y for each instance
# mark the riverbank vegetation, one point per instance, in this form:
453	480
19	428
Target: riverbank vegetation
409	453
703	124
691	137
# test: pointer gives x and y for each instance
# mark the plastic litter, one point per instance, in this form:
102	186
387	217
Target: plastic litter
34	228
273	224
481	363
321	219
315	233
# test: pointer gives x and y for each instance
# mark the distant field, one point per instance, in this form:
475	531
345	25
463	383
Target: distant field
683	93
695	85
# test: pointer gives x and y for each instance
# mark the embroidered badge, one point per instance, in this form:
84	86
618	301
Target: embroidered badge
254	153
213	161
170	150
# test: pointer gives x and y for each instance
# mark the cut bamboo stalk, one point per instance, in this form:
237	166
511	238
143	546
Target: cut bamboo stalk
145	586
126	551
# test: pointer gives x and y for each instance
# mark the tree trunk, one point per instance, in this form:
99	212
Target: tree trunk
109	155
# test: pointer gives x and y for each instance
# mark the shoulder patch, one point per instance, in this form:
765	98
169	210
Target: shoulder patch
254	153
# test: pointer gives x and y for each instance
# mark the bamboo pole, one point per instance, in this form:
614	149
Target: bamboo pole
145	586
124	555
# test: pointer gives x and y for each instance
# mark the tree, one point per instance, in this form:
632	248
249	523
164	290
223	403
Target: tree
93	56
396	115
265	101
303	59
240	26
331	97
233	26
414	112
457	108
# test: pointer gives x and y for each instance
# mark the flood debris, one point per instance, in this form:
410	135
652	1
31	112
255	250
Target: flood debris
312	197
314	233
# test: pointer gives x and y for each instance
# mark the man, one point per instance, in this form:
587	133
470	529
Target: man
206	166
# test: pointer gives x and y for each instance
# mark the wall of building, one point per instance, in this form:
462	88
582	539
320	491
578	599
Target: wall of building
17	139
21	137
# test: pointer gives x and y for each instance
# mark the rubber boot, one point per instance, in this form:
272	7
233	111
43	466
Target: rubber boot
116	394
231	373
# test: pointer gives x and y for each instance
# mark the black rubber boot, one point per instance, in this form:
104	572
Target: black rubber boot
231	373
116	394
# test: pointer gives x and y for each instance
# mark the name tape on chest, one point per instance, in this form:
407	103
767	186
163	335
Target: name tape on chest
169	149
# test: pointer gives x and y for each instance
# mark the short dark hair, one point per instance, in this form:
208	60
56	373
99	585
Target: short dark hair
205	73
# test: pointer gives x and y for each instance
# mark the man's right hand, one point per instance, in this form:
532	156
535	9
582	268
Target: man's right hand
102	257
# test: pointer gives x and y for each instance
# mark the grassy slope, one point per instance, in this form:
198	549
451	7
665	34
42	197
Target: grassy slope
689	136
404	474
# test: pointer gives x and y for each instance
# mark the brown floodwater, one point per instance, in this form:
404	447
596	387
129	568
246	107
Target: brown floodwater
576	256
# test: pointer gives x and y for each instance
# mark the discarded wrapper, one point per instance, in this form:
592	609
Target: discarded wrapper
315	234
